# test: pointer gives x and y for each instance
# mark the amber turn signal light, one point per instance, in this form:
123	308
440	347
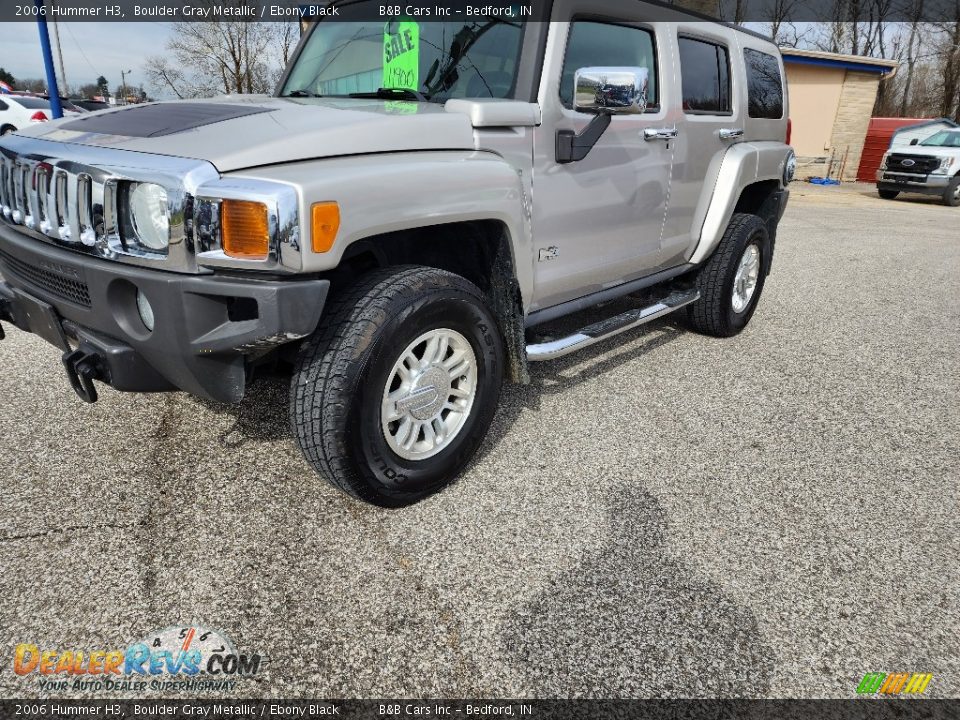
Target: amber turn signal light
246	229
325	222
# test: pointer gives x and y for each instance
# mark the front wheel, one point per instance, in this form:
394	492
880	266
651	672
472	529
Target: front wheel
951	196
887	194
395	392
731	281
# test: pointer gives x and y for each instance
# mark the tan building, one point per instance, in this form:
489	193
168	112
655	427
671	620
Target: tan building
831	102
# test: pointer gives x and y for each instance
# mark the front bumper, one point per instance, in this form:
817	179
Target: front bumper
912	182
206	326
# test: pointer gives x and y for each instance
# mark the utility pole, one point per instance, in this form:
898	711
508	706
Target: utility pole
123	84
56	40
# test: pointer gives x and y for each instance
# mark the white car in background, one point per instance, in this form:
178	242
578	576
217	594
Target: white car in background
19	111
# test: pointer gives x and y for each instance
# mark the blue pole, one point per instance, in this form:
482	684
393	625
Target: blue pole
52	90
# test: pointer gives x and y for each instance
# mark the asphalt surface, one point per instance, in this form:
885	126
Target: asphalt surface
664	515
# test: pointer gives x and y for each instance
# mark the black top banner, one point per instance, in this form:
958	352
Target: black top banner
860	709
763	11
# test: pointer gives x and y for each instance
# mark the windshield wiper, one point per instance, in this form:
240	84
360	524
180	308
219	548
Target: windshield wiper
300	93
393	94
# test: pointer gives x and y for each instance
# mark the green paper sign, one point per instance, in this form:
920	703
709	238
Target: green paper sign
401	55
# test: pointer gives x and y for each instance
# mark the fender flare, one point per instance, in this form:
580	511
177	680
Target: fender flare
743	165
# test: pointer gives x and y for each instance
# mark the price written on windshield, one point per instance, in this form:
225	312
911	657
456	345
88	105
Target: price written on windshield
443	11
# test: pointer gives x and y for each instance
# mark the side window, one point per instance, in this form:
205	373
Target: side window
705	72
764	85
596	44
3	106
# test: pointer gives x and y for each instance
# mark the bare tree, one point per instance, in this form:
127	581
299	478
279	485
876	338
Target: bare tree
90	90
950	99
287	37
780	13
216	56
916	13
34	85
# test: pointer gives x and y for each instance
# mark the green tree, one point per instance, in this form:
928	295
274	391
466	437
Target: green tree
103	86
7	78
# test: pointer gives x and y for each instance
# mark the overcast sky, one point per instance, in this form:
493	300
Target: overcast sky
89	50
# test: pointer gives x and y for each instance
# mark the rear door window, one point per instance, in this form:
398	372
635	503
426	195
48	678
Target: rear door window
705	74
764	85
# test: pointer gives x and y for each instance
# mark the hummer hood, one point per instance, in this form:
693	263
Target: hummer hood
241	132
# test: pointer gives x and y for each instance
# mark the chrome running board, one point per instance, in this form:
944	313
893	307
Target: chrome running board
599	331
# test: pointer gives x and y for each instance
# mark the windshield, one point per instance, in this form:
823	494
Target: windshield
944	138
432	61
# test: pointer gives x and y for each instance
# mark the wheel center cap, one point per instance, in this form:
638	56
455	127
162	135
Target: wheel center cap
430	390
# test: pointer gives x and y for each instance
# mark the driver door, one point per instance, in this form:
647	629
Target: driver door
598	222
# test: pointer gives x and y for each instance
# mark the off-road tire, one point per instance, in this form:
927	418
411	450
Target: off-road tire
713	313
337	387
887	194
951	196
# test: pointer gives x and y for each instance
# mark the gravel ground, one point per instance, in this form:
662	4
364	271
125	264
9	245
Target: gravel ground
663	515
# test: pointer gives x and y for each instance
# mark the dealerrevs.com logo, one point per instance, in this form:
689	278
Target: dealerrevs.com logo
176	658
894	683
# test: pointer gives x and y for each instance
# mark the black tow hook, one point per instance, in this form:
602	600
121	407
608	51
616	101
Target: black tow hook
82	369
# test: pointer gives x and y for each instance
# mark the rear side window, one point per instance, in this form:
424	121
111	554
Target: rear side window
705	72
33	103
764	85
595	44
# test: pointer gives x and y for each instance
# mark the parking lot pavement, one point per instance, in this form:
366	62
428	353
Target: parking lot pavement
665	514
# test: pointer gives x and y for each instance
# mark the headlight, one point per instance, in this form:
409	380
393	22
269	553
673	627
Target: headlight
149	216
945	165
883	160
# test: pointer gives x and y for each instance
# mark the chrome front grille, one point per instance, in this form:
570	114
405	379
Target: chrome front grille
73	195
54	201
67	195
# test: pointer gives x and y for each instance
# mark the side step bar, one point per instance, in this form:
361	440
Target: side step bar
604	329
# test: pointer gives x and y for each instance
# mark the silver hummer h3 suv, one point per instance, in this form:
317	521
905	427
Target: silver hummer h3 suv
930	167
395	223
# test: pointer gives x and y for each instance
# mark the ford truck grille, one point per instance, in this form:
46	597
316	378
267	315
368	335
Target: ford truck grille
66	288
918	164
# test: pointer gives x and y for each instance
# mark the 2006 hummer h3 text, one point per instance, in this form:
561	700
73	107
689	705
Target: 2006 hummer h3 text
399	218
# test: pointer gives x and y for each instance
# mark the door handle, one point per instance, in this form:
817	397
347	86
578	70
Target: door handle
659	133
730	133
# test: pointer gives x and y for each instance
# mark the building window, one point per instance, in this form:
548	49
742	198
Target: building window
764	85
705	72
594	44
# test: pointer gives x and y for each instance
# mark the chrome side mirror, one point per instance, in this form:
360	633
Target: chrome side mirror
611	90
